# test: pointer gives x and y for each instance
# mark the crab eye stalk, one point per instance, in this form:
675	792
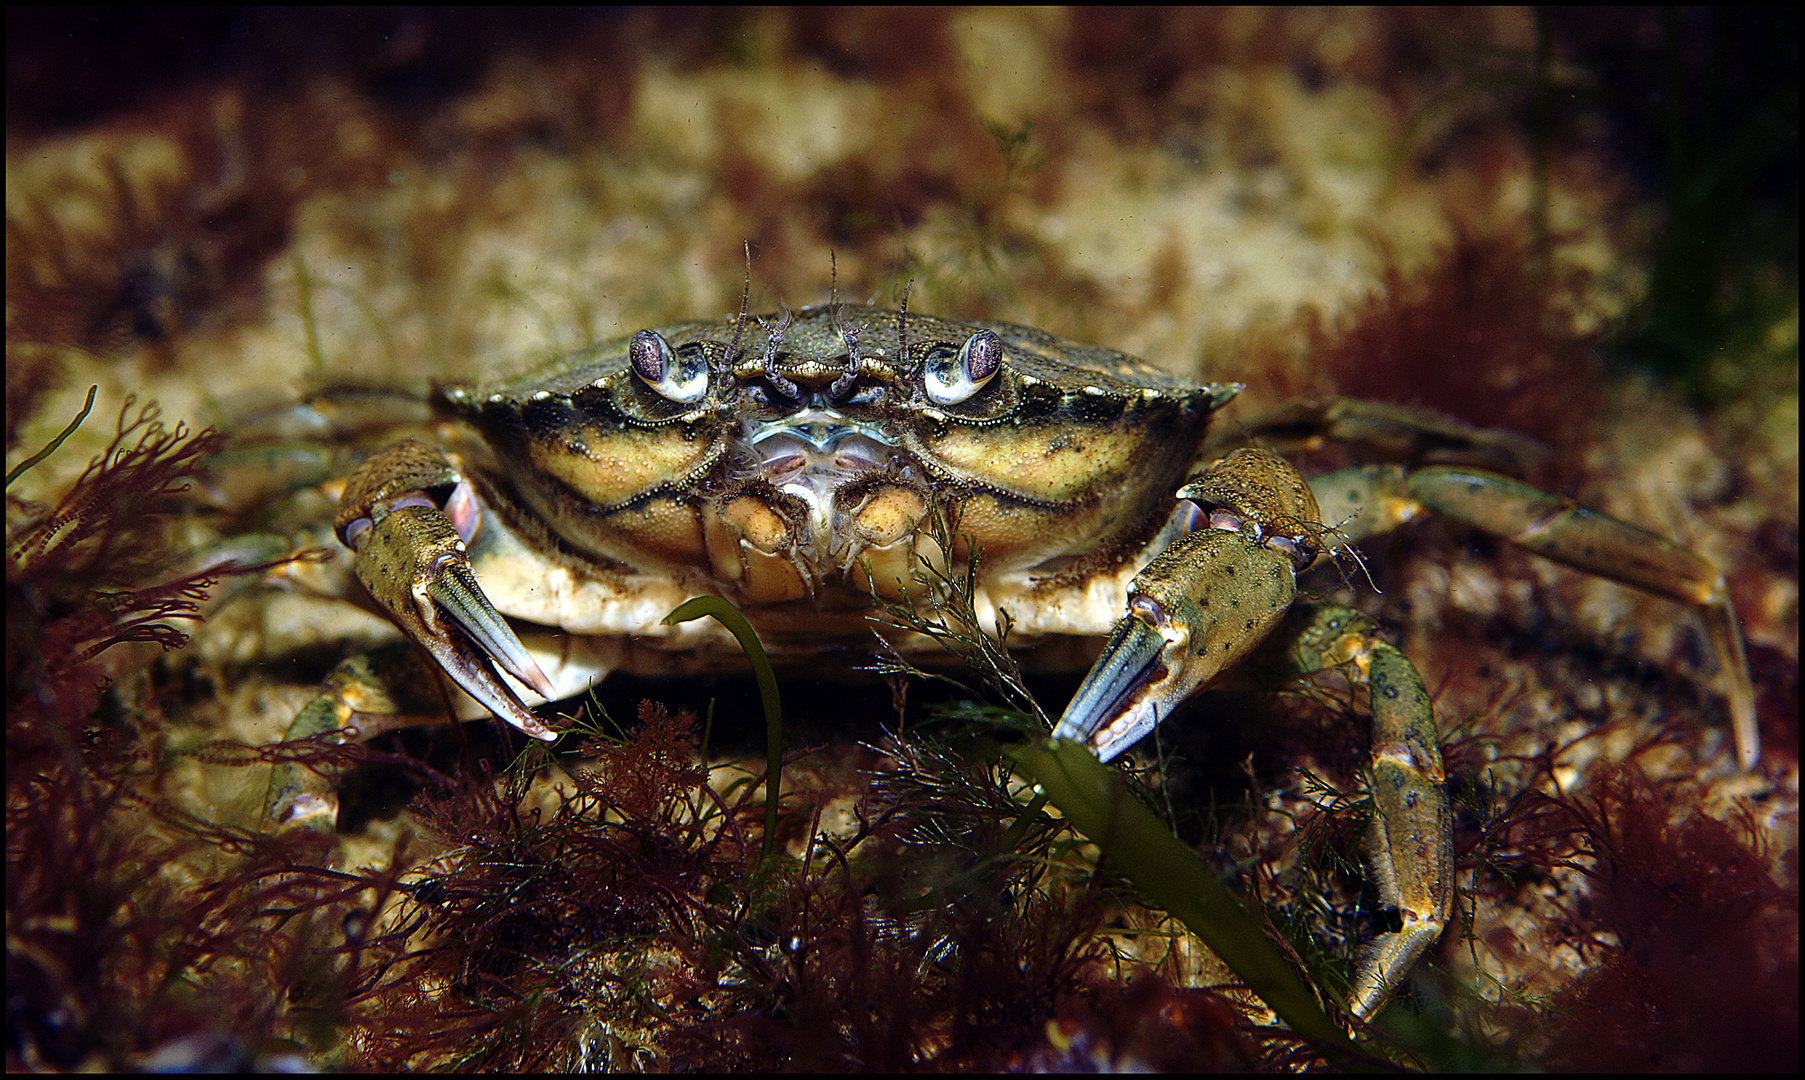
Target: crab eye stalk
678	374
1301	548
954	377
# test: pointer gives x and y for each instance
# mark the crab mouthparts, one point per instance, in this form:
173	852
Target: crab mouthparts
810	453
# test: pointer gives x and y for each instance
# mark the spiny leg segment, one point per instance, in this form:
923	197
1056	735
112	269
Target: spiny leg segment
1409	847
1363	502
1374	499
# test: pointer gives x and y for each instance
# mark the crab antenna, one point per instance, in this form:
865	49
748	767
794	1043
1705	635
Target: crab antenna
781	384
1335	551
739	321
850	336
902	331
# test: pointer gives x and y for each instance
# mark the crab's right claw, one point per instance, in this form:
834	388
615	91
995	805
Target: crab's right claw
411	558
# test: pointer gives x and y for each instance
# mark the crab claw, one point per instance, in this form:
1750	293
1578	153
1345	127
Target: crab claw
1113	709
1192	613
411	558
1203	602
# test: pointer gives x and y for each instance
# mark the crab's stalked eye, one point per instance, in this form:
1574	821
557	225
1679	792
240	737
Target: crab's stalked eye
679	374
953	377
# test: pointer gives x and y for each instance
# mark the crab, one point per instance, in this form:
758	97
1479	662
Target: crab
793	464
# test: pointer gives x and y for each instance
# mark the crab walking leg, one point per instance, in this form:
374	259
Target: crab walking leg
365	695
1410	846
1378	498
1385	431
398	685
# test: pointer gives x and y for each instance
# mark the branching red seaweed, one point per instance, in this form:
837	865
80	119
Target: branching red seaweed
1694	966
118	956
82	577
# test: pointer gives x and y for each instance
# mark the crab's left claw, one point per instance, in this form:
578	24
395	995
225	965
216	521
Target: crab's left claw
1193	612
1203	603
397	514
